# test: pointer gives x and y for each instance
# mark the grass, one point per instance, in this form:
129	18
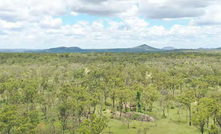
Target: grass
173	124
164	126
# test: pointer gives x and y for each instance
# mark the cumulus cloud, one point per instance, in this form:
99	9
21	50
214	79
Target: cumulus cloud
15	10
161	9
211	17
97	35
135	23
11	10
101	7
49	7
74	13
10	25
49	22
25	22
94	1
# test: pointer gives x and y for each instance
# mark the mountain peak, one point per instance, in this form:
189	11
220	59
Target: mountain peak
146	47
63	49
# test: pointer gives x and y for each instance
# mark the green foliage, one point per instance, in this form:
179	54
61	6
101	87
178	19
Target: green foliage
149	96
8	119
27	122
57	93
139	101
205	109
213	129
187	100
94	125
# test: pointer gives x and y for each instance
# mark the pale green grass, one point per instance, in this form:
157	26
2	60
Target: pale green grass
173	124
163	126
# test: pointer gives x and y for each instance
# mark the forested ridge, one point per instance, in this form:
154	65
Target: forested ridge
94	93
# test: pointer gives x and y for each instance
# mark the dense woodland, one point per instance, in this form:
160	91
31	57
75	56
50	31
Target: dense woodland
94	93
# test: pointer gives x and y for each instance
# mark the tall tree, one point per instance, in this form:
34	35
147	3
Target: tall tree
93	125
8	119
187	99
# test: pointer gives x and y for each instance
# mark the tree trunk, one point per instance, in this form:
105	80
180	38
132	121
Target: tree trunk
101	110
202	129
168	110
63	130
121	109
151	107
8	131
125	106
94	109
190	122
164	115
113	101
214	119
207	122
79	120
130	106
1	106
54	130
45	112
105	100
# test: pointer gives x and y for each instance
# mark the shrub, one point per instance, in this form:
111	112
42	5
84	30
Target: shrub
104	109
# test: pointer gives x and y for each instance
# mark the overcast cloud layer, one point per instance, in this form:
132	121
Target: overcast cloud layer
120	23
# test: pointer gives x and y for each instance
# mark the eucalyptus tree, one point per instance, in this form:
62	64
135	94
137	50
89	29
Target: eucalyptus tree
114	83
8	119
29	94
64	112
149	96
11	91
93	125
28	122
187	98
205	109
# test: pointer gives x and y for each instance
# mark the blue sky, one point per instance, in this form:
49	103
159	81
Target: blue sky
68	19
44	24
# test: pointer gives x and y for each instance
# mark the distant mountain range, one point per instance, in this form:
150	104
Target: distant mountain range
19	50
141	48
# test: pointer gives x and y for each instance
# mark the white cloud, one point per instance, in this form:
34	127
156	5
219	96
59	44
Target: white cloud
49	7
132	11
10	25
34	10
113	25
98	26
101	7
96	35
49	22
158	31
38	22
162	9
211	17
185	31
74	13
135	23
11	10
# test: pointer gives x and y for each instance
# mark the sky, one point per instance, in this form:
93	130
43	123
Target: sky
42	24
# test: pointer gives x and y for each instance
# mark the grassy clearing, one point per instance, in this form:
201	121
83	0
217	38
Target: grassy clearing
173	124
164	126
